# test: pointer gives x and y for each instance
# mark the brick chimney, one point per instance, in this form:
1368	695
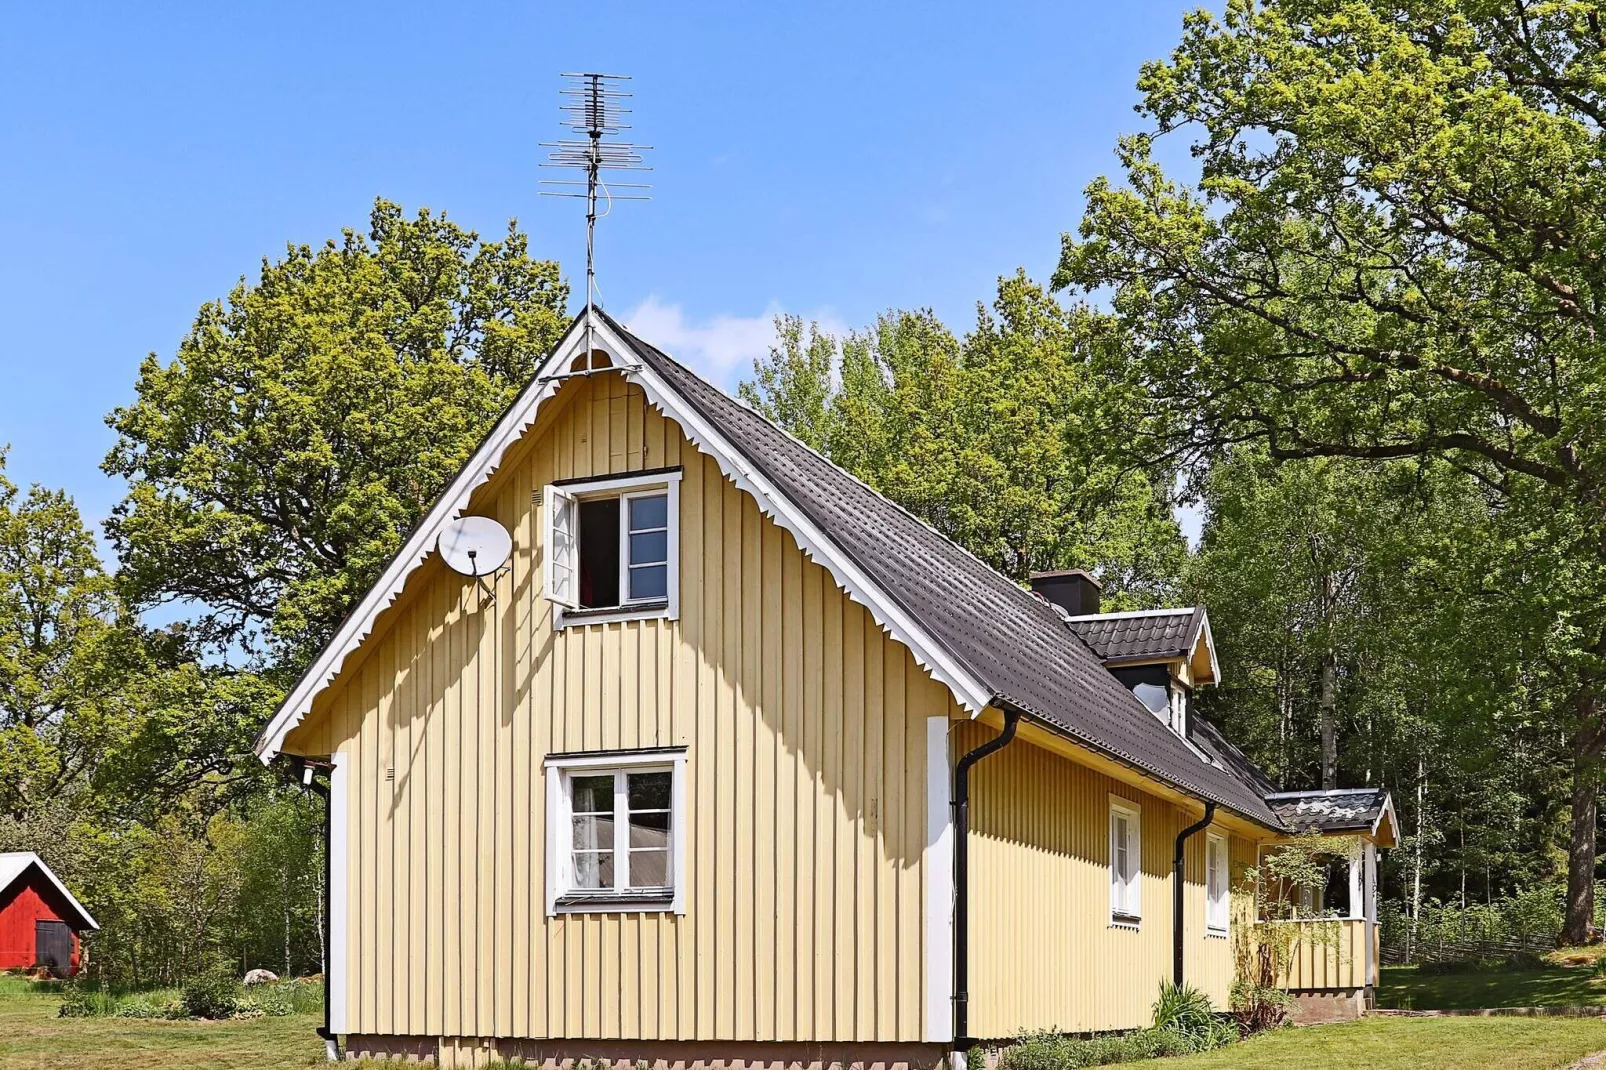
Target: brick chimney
1072	589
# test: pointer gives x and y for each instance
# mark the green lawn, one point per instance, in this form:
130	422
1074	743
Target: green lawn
1404	988
33	1038
1412	1044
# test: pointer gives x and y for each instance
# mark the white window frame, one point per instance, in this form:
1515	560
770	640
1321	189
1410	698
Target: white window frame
1218	909
557	497
1126	889
560	768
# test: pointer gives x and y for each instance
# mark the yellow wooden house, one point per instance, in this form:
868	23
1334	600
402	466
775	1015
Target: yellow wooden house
733	760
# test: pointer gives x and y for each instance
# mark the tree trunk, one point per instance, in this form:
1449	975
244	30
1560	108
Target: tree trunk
1416	852
1580	925
1329	702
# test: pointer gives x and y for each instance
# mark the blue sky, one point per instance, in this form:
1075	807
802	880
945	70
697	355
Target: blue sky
833	160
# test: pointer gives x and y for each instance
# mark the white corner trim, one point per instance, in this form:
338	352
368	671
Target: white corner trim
339	837
967	691
937	901
421	543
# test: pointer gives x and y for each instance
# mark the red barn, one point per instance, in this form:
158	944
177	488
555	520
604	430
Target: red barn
39	918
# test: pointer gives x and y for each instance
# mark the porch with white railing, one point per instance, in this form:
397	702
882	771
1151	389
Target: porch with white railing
1334	949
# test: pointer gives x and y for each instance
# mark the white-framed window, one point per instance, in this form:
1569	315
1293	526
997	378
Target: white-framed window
1218	908
616	831
1126	862
612	547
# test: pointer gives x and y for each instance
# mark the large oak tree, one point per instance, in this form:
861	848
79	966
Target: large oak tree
1393	247
307	422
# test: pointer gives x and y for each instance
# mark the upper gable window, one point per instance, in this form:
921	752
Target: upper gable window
612	547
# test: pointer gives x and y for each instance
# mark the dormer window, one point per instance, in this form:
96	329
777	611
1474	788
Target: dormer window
1160	692
612	547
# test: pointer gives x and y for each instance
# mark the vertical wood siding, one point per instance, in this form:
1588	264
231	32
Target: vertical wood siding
1325	954
1043	952
806	780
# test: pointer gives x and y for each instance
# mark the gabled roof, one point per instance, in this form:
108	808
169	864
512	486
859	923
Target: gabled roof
991	642
13	866
1341	810
996	632
1147	633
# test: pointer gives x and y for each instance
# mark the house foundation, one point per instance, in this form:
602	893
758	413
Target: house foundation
647	1054
1326	1005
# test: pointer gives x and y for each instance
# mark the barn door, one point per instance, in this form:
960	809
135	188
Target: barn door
53	946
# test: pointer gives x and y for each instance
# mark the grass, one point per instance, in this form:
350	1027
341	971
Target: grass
1406	988
1411	1044
33	1038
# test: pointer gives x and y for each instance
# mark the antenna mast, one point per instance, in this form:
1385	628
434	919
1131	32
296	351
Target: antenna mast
593	106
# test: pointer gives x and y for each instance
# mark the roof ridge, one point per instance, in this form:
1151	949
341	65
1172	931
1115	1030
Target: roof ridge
1128	614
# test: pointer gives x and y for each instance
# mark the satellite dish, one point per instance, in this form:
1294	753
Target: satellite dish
475	545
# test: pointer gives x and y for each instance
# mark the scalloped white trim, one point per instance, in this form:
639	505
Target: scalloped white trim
421	543
970	693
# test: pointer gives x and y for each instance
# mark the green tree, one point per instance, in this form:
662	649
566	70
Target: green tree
1394	249
998	440
307	422
65	646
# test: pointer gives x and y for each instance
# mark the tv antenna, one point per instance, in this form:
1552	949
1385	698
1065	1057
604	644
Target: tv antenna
594	106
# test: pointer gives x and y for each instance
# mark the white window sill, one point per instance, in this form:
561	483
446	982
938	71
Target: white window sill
577	618
1123	922
643	903
1216	934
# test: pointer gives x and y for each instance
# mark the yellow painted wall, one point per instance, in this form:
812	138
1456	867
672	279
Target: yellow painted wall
1043	952
806	795
806	780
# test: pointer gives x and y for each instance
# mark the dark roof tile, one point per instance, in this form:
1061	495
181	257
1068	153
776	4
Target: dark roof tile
1158	633
1345	810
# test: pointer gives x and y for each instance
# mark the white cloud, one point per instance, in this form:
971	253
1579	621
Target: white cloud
721	348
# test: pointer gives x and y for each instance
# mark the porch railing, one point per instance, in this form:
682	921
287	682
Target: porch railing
1329	953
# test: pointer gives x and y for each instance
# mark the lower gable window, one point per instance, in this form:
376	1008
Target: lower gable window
615	830
611	547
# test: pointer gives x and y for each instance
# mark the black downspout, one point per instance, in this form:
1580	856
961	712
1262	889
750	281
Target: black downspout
962	1039
1176	890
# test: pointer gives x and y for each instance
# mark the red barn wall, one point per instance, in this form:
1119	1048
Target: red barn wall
28	900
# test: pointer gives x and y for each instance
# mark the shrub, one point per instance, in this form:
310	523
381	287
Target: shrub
80	1001
1258	1007
214	994
1185	1012
276	1001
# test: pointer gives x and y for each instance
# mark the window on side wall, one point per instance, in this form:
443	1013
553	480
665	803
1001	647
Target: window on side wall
1126	862
612	547
615	831
1217	894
